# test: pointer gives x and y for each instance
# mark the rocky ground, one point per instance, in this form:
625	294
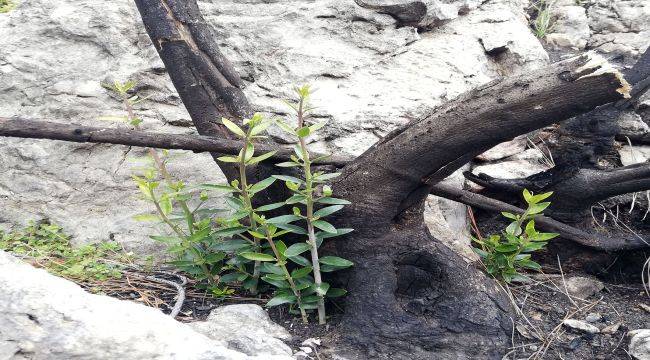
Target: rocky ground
380	74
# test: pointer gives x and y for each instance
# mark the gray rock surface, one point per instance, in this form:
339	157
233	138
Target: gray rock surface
580	326
372	75
610	26
246	328
583	287
46	317
640	344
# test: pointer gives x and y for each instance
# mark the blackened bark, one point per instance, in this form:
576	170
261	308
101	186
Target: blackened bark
39	129
405	285
578	179
595	241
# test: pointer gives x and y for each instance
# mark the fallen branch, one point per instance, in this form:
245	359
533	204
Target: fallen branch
593	241
37	129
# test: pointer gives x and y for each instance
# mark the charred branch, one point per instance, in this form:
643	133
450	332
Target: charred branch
594	241
37	129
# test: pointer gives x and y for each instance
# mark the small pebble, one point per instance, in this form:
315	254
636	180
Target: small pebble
581	326
593	317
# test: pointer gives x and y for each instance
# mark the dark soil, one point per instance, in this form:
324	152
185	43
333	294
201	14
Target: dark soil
545	305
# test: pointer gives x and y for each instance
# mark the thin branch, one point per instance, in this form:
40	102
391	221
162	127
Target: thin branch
37	129
548	224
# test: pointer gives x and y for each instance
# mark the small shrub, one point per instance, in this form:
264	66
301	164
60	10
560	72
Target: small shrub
247	246
45	245
503	255
542	23
6	6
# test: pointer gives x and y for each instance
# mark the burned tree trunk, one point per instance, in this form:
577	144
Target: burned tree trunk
410	296
578	179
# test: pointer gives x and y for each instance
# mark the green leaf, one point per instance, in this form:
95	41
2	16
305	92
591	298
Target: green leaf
292	228
232	277
250	150
504	248
218	187
336	292
529	264
325	177
230	245
277	283
228	159
287	164
215	257
301	272
297	249
328	210
325	226
296	199
282	219
544	236
298	151
281	299
146	217
261	185
269	207
288	178
230	231
303	131
233	128
527	195
336	261
234	203
317	126
513	229
260	158
282	248
534	246
482	253
257	256
538	208
300	260
509	215
322	288
285	127
271	268
539	197
333	201
261	127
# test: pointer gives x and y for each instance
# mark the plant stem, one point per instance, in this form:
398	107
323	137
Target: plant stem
310	216
281	263
249	207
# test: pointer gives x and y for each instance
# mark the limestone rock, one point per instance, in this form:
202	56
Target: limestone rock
571	26
621	27
46	317
580	326
504	150
634	154
447	220
583	287
246	328
640	344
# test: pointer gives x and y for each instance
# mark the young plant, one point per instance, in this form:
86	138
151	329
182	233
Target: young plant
258	228
542	23
311	191
6	6
503	255
190	236
47	246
